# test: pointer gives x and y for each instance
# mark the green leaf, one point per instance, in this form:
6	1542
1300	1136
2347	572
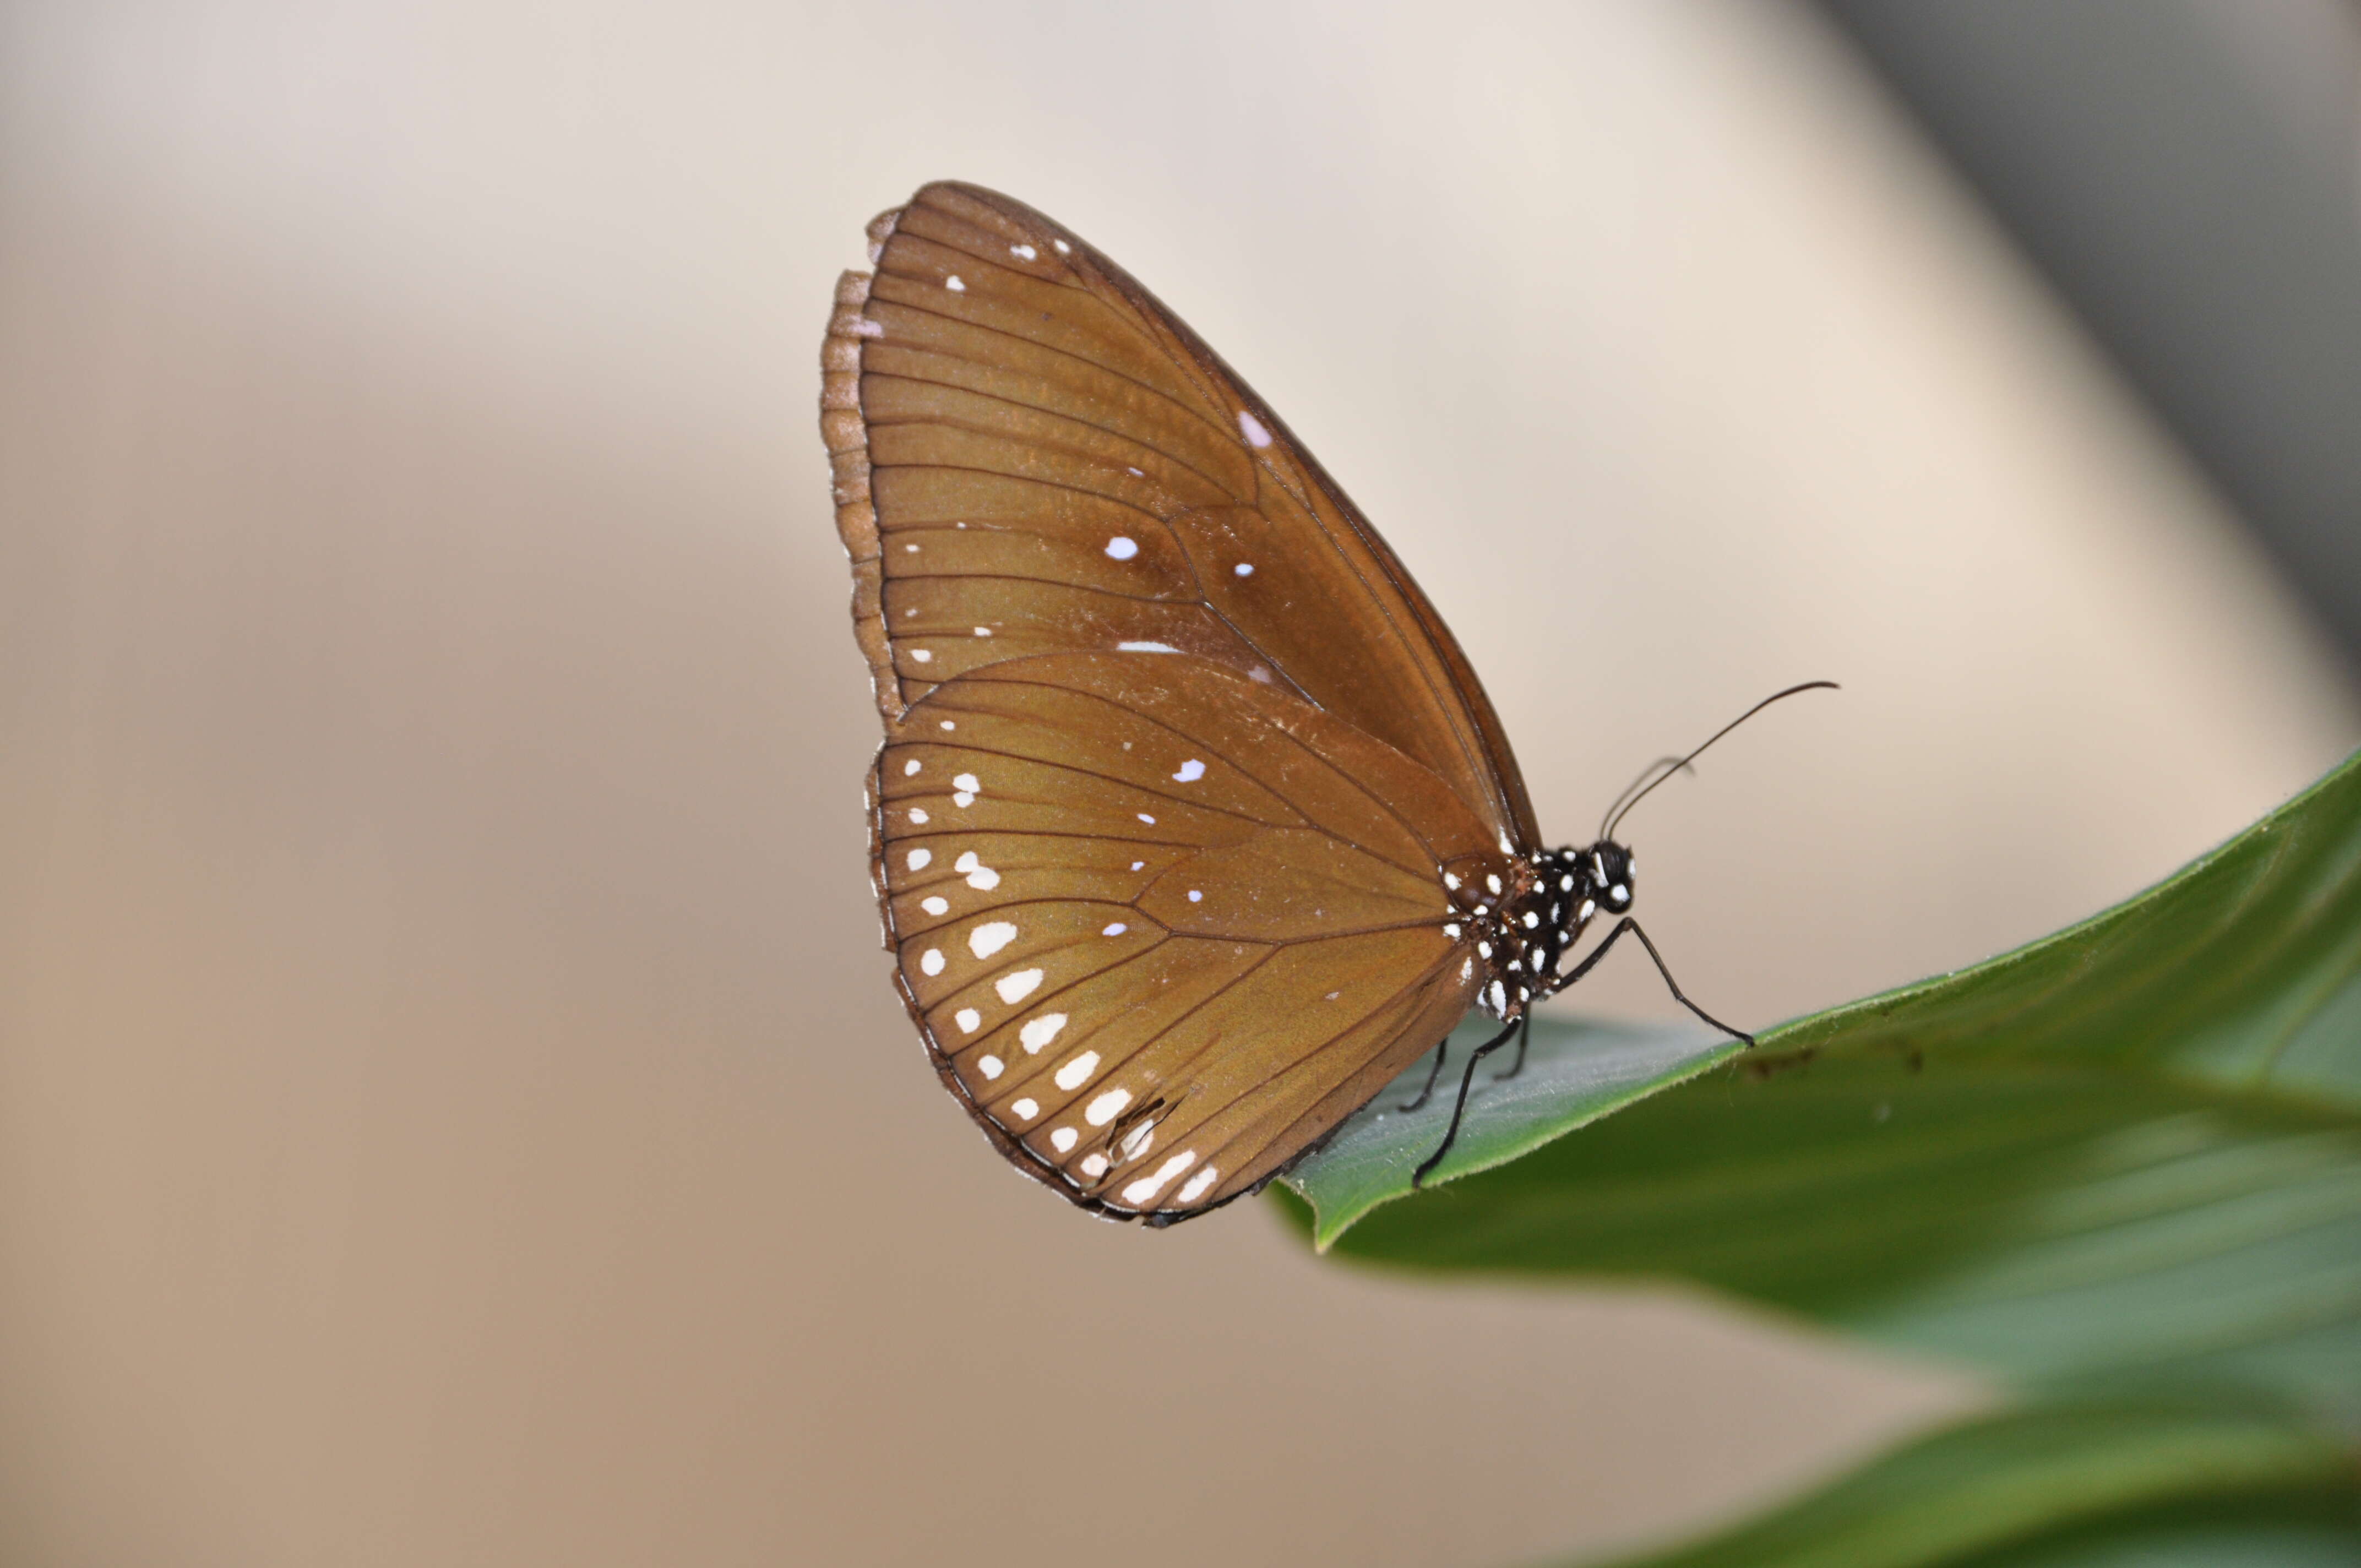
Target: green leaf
1572	1075
2129	1150
2070	1486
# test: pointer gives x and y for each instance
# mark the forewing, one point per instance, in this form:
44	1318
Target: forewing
1162	925
1033	456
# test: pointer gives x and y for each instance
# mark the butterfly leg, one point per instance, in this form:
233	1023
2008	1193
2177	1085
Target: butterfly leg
1524	1033
1598	952
1459	1107
1441	1047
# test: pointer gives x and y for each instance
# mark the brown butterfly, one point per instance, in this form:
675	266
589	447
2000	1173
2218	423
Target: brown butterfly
1192	826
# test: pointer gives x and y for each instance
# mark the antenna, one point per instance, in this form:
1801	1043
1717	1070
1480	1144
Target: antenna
1616	813
1674	763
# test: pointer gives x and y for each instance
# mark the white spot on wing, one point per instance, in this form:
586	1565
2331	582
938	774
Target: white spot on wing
910	767
921	656
935	903
920	858
954	285
1122	547
992	1067
1146	819
1244	568
1197	1186
1104	1108
1039	1032
968	783
990	937
1146	648
1063	248
931	961
1015	988
1114	929
919	815
1026	1108
969	1019
1094	1165
1190	772
1251	428
1022	252
1077	1072
1148	1187
1064	1139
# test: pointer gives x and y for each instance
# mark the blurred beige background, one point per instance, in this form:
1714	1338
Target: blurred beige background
452	1108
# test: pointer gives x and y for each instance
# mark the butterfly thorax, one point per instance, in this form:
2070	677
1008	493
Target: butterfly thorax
1525	919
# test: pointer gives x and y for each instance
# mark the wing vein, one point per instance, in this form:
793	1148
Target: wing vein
1027	478
1433	973
1226	433
985	672
1012	578
1004	793
1177	459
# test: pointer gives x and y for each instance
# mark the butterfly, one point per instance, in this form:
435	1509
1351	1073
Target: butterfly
1192	826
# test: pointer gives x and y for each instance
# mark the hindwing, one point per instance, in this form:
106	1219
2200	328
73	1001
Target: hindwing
1161	925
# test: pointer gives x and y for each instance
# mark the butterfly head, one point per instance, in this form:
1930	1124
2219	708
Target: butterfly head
1607	867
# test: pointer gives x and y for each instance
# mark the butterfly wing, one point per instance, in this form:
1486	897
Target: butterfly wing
1163	926
1175	749
1032	454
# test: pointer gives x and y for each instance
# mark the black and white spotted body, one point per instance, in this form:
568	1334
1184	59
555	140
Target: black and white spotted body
1525	923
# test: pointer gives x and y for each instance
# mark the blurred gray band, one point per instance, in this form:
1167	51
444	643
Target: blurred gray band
2189	176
